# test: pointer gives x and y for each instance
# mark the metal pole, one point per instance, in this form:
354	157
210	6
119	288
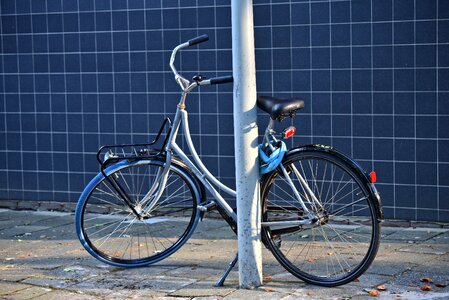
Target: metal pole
246	140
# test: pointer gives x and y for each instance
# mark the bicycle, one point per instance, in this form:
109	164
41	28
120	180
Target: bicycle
321	213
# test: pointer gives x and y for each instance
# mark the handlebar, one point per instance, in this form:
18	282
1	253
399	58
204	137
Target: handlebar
184	83
222	79
198	39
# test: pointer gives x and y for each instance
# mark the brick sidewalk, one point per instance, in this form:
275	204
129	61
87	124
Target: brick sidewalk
41	258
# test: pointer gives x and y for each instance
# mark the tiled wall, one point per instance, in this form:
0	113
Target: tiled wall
79	74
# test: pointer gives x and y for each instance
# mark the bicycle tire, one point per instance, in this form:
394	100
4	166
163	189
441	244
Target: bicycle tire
338	248
100	210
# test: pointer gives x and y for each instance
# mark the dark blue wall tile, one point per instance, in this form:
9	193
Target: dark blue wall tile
373	90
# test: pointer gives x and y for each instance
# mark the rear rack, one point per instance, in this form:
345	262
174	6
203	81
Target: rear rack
109	154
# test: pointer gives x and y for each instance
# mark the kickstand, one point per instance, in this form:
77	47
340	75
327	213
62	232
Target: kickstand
228	270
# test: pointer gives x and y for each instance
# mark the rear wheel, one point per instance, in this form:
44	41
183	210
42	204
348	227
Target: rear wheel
342	244
112	233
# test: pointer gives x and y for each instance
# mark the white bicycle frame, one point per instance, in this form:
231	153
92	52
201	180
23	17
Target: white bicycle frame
201	171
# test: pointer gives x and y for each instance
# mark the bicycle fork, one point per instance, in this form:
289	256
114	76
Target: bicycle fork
150	200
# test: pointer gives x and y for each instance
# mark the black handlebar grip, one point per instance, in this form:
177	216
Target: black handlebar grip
198	39
222	79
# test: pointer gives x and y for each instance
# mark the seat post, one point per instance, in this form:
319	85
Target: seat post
268	133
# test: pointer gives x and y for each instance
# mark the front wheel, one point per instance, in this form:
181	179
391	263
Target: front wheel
111	232
339	246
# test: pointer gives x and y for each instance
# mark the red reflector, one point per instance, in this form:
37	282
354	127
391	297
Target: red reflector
288	132
373	177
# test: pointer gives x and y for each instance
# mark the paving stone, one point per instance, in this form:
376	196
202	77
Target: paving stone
48	281
406	258
7	288
434	267
28	293
208	298
442	239
386	247
387	266
15	273
200	273
140	273
283	282
385	230
5	245
437	249
53	257
24	230
412	235
75	273
24	217
202	289
410	281
150	295
101	285
165	283
260	293
317	292
445	257
60	294
57	221
369	281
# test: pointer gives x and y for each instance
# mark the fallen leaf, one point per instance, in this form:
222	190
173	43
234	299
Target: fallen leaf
441	285
426	279
425	288
268	277
373	293
356	280
310	260
381	287
330	253
117	254
269	290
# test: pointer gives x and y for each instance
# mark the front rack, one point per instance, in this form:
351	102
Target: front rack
109	154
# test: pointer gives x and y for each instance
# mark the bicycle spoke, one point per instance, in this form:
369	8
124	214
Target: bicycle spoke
331	250
117	235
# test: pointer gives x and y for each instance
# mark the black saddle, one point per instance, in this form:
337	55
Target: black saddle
279	108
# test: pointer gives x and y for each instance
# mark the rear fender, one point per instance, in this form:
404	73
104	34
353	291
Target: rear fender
354	165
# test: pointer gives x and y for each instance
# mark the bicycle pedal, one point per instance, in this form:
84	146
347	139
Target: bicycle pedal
208	207
278	241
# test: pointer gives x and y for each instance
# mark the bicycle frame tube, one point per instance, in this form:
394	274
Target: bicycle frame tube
268	137
199	169
161	177
197	159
